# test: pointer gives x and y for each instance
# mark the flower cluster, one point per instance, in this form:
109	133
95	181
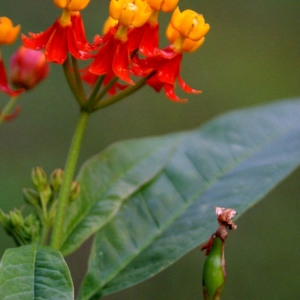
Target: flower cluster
127	55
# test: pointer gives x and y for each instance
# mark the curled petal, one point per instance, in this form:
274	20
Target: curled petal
170	93
186	87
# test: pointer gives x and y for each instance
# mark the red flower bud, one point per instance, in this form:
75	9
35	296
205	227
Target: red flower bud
28	67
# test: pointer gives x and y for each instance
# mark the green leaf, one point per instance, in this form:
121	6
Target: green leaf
233	161
108	180
34	272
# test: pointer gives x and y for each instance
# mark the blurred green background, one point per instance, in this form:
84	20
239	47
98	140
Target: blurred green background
251	56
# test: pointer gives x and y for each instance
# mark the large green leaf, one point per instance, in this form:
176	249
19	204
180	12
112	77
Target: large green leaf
109	179
34	272
233	161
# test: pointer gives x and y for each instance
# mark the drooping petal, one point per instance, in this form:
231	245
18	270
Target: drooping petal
170	93
80	36
56	49
38	41
121	62
169	70
149	42
186	87
102	63
66	35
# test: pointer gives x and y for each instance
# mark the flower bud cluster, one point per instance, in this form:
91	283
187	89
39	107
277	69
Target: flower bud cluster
43	199
22	230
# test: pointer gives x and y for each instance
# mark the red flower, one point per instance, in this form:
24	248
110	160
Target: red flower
113	56
166	66
4	86
67	34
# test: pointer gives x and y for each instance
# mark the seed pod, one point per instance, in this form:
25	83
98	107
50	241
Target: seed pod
214	271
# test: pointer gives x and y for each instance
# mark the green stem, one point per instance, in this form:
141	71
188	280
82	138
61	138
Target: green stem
103	92
130	90
8	108
79	84
71	80
95	91
64	192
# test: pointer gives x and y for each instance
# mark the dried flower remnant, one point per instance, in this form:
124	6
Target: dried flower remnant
214	272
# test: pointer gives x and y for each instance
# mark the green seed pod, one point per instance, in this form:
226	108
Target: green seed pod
214	271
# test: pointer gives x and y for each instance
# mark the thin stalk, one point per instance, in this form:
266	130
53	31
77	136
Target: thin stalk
80	87
63	197
130	90
8	108
72	82
104	91
95	90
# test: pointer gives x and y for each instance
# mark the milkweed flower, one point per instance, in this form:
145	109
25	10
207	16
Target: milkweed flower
28	67
8	35
148	45
67	34
116	48
186	33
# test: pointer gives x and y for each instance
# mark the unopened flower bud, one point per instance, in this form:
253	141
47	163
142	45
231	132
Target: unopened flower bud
31	196
16	219
45	195
75	189
28	67
56	179
39	178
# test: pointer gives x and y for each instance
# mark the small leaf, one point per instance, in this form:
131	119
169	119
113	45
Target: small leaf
233	161
34	272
